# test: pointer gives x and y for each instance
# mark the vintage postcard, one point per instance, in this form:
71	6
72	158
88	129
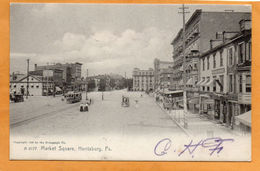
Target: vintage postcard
130	82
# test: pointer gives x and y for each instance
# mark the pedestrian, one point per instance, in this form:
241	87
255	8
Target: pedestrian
136	103
86	107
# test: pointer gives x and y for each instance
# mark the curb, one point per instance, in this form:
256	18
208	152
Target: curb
179	125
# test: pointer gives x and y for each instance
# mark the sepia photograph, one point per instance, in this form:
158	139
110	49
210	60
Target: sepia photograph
130	82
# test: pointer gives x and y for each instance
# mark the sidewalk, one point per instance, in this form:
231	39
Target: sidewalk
199	125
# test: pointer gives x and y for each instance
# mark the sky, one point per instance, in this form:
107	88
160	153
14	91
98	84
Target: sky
105	38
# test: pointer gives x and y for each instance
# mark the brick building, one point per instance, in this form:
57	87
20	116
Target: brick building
159	68
225	74
199	30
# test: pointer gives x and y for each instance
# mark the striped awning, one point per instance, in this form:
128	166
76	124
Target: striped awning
201	81
189	82
204	82
212	83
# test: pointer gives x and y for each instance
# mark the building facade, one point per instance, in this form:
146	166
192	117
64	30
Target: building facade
199	30
225	76
19	84
159	66
143	80
166	79
71	75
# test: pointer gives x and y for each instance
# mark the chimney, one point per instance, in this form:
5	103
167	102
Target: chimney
35	66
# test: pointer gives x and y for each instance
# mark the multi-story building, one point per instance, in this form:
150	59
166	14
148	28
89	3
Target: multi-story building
143	80
166	81
225	76
199	30
158	68
71	77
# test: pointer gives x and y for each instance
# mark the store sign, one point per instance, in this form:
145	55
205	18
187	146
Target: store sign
244	98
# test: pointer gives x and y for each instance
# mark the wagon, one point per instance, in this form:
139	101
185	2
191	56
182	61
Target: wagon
16	97
125	102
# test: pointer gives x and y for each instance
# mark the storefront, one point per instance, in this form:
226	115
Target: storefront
206	106
220	107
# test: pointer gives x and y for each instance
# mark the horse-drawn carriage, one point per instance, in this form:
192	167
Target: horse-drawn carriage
16	97
125	102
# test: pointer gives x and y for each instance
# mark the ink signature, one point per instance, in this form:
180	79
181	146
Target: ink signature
213	144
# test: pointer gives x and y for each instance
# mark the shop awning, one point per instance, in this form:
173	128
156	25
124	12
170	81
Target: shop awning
181	82
212	83
204	82
181	68
245	118
189	82
201	81
173	92
57	88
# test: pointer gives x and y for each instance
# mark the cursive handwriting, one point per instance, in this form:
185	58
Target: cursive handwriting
213	144
162	147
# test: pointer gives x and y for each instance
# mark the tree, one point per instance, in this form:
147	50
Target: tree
91	84
112	83
102	84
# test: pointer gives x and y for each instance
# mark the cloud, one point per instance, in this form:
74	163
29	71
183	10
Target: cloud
106	51
49	10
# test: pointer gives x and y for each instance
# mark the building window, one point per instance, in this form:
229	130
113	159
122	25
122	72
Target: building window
221	80
208	88
214	61
208	63
230	83
249	51
221	58
248	83
240	83
195	66
203	64
241	53
230	56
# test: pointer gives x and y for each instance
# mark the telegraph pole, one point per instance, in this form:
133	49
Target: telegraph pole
184	67
27	86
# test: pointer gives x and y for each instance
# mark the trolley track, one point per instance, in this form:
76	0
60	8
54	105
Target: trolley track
26	121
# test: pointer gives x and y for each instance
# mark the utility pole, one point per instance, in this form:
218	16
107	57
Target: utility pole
27	86
184	68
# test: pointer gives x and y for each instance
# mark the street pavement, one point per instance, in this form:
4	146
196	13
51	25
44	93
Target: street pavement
142	131
50	116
